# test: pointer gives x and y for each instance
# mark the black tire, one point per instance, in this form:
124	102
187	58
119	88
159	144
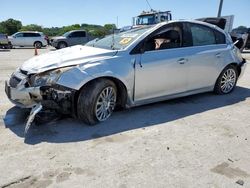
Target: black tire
61	45
10	45
218	88
38	44
88	97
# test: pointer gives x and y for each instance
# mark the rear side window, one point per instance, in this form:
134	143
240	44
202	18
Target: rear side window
31	35
78	34
81	34
202	35
219	37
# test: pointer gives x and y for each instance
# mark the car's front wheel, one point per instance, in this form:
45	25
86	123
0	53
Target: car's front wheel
97	101
226	81
62	45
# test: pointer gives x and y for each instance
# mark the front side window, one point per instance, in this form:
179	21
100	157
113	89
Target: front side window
73	35
166	38
202	35
19	35
78	34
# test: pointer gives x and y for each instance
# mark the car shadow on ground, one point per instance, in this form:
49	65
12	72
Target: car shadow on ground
4	50
71	130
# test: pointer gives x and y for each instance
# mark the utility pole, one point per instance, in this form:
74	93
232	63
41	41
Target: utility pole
220	8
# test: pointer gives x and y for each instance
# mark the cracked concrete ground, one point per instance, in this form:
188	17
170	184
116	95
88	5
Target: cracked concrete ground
197	141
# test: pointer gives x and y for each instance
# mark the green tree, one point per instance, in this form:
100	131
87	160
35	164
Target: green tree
240	29
109	27
32	27
10	26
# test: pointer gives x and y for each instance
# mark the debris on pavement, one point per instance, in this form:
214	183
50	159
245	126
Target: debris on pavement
240	182
37	108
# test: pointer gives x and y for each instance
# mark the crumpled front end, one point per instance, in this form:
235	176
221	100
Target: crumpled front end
22	91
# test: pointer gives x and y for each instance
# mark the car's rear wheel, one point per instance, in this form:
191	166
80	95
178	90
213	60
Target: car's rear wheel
62	45
97	101
226	81
38	45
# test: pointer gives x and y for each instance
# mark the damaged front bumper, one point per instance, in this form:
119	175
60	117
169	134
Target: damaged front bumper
56	98
53	97
21	96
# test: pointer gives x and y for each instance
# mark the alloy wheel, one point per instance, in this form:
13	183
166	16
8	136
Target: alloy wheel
228	81
105	103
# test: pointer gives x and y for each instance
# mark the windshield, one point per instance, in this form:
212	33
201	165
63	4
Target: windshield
118	41
145	20
66	34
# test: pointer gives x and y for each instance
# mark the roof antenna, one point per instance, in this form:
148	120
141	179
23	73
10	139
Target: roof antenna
149	5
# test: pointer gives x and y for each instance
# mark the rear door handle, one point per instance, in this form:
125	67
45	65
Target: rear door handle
182	61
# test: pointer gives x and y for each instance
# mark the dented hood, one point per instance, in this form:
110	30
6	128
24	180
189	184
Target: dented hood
66	57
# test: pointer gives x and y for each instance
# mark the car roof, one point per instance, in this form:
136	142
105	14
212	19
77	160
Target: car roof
192	21
30	32
77	30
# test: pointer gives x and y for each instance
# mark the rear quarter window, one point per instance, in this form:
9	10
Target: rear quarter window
219	37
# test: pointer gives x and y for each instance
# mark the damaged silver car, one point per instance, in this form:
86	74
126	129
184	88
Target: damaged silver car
136	67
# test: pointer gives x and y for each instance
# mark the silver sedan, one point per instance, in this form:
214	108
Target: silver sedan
140	66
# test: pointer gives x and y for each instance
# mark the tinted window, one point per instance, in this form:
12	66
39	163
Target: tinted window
78	34
81	34
31	35
165	38
202	35
220	37
19	35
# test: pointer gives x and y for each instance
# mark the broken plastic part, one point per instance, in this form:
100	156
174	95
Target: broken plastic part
35	110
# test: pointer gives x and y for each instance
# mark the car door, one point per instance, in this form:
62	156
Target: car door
82	37
160	72
29	39
75	38
206	55
72	39
18	39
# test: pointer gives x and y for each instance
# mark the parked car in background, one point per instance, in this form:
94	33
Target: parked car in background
4	42
28	39
140	66
70	38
